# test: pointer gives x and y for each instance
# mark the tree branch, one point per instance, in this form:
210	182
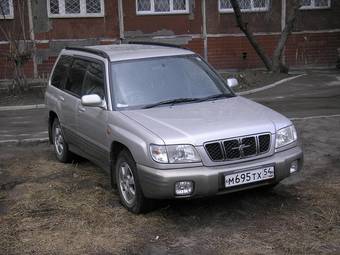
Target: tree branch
244	28
277	56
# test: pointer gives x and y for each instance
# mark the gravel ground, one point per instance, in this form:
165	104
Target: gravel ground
51	208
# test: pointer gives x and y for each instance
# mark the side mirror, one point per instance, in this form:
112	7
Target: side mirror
92	101
232	82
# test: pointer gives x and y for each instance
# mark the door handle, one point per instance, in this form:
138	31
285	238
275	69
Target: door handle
61	98
81	109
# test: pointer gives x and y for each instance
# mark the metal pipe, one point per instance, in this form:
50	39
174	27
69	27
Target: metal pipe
32	38
121	20
204	32
283	24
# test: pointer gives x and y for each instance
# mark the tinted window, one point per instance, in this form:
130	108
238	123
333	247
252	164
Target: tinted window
94	80
76	76
60	71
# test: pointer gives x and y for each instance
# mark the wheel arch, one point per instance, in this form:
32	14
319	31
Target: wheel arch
51	117
116	148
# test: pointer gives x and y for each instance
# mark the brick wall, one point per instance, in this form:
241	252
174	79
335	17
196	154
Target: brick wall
227	47
302	50
268	21
236	52
171	24
83	28
312	49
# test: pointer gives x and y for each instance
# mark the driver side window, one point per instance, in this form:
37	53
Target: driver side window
94	80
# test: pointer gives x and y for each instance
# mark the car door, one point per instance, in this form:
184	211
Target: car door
92	121
71	99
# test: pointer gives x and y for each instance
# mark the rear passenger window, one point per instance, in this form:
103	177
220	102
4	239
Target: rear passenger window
60	71
76	76
94	80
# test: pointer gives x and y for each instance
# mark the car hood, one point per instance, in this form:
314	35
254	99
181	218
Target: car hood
197	123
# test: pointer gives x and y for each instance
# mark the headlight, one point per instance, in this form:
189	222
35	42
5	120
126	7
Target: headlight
174	154
285	136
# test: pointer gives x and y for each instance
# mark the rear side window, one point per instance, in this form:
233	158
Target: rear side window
94	80
60	71
76	76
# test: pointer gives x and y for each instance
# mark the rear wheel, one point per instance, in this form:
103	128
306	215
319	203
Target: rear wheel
60	146
129	189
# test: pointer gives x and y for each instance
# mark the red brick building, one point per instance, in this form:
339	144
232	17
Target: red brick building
206	26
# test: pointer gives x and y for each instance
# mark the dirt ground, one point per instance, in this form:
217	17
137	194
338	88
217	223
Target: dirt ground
51	208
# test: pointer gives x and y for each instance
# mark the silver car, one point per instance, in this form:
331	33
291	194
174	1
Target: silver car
164	124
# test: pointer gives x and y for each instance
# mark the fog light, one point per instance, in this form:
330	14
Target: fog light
184	188
294	166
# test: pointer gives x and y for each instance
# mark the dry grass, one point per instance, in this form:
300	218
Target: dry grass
51	208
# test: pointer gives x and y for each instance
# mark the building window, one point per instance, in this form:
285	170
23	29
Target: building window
245	5
75	8
152	7
315	4
6	9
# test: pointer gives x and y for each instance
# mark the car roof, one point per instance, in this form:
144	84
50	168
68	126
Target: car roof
119	52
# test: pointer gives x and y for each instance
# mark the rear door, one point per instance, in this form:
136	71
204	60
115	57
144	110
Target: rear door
92	121
71	98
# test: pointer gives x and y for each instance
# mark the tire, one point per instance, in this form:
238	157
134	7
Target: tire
128	186
59	143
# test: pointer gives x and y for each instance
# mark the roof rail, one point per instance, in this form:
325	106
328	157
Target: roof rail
156	44
90	50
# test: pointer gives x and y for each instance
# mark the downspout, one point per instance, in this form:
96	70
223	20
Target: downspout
283	24
121	20
204	32
32	38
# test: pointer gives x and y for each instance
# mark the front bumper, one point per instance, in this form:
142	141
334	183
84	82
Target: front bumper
160	184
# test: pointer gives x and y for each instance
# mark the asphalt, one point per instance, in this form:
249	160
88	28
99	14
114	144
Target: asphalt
20	126
314	95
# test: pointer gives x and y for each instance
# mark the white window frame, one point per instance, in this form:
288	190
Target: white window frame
82	14
172	11
252	9
11	11
313	7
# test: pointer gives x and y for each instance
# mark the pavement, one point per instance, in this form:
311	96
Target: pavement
314	95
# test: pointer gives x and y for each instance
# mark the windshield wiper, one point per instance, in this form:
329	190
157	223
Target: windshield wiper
172	102
218	96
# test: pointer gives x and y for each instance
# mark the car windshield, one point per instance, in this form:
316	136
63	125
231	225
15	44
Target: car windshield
153	82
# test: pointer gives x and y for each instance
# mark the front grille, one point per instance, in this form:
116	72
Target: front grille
238	148
264	143
231	149
215	151
249	146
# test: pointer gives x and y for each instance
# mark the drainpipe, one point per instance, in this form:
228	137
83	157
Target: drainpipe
283	24
32	38
204	32
121	20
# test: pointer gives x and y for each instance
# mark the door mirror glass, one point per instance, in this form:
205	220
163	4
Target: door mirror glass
232	82
92	100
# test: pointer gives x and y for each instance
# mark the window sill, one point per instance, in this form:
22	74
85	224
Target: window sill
161	13
57	16
243	11
314	8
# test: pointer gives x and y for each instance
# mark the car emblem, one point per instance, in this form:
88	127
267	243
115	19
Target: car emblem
241	147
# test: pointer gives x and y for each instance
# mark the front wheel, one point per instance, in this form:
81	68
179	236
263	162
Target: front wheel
130	192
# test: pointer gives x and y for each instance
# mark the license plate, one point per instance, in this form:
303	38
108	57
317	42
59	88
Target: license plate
250	176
